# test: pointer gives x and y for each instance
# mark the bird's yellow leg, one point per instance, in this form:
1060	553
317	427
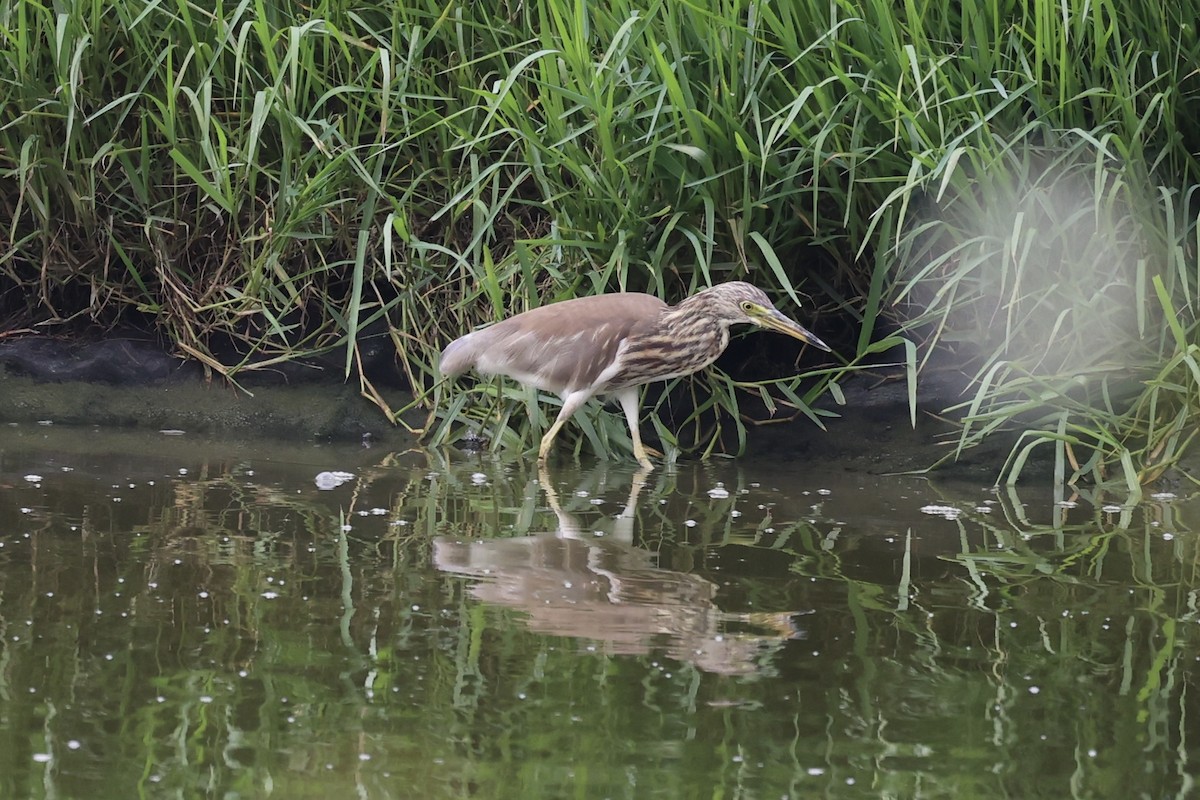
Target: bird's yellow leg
629	404
571	404
548	439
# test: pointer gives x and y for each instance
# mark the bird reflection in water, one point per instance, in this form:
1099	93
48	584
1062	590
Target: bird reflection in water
606	589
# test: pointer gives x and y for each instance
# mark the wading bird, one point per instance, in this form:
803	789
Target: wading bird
611	344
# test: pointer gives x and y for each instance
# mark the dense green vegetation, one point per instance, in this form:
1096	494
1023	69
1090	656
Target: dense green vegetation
1005	188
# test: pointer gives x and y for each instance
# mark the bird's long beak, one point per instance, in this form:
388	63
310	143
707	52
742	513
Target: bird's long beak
772	319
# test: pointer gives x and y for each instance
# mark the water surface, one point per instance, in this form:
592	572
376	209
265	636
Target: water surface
182	617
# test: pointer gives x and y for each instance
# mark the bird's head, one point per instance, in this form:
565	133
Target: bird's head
737	302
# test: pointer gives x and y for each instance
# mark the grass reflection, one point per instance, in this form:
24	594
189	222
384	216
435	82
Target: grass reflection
206	621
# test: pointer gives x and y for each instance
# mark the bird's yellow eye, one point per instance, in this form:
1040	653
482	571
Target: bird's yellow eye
747	306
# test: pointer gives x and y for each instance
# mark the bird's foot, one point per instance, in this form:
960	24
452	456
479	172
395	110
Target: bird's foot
642	454
643	457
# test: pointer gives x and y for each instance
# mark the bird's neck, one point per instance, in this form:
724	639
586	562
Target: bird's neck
680	341
693	308
690	321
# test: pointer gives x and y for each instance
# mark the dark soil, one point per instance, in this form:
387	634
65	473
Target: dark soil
130	382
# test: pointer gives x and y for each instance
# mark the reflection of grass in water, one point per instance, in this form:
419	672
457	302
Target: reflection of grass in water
368	650
1108	602
1057	619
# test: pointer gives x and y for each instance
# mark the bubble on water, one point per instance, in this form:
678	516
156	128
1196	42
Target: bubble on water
32	478
332	480
946	512
718	492
171	432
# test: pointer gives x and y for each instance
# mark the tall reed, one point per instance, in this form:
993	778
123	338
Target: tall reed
996	187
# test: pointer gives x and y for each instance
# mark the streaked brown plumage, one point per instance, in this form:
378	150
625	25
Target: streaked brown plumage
614	343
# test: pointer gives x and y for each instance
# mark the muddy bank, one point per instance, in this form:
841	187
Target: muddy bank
133	382
129	383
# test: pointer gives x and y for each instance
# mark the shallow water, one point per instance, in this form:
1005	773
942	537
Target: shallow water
183	617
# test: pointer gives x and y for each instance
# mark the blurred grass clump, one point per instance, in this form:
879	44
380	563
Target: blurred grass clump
1003	188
